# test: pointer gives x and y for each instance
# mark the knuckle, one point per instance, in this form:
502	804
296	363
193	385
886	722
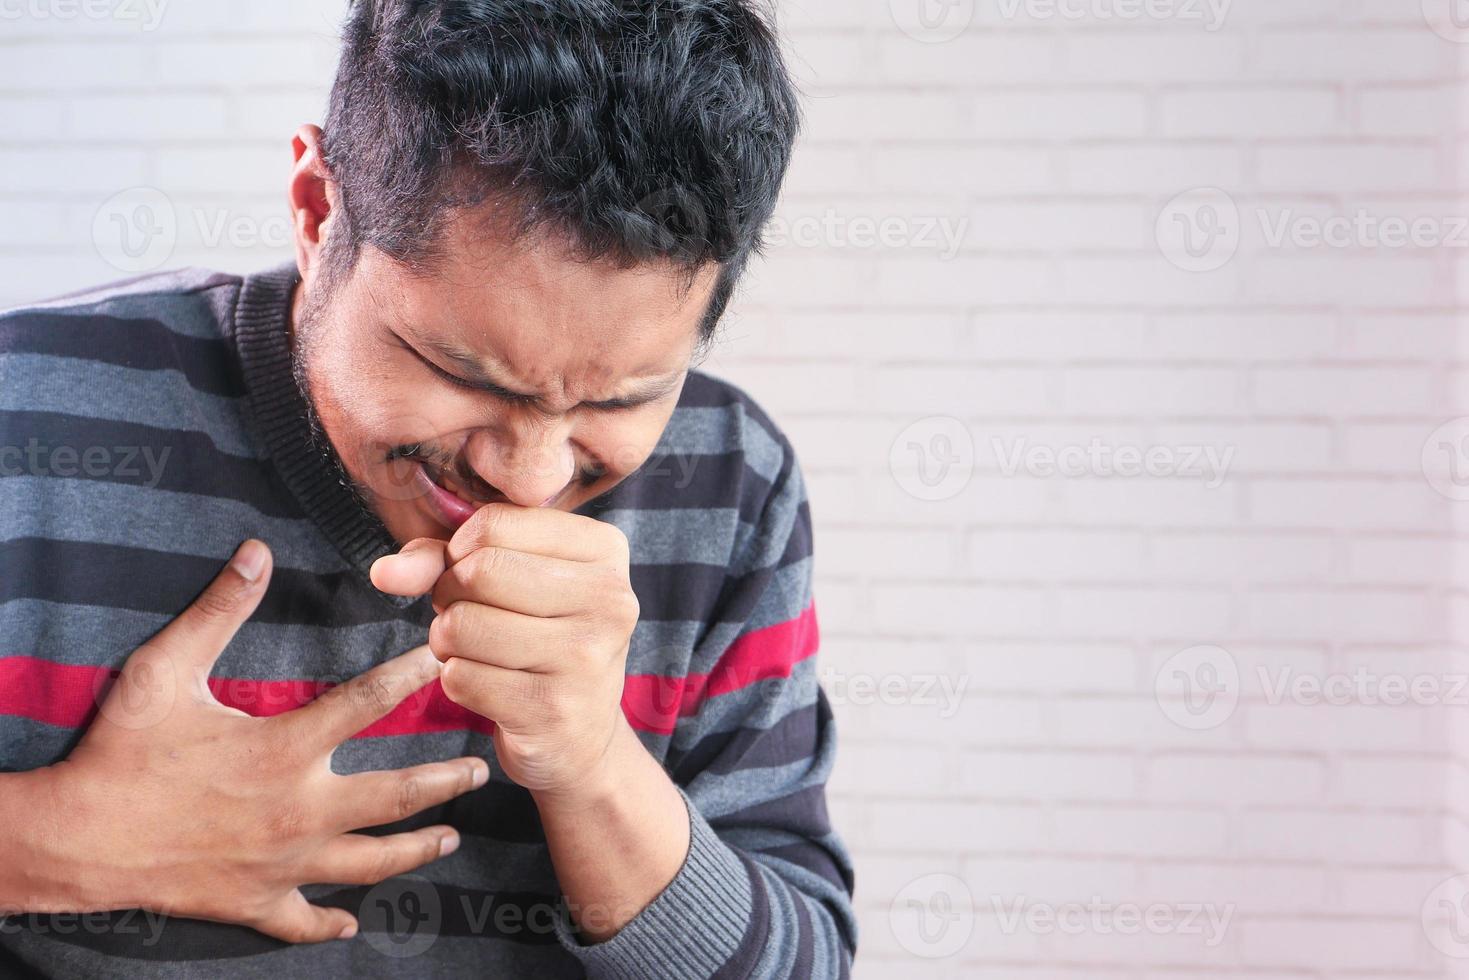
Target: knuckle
288	821
409	797
217	602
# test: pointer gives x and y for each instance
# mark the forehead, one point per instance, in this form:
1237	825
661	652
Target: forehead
542	313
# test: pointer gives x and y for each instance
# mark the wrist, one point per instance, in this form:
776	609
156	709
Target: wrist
33	878
602	782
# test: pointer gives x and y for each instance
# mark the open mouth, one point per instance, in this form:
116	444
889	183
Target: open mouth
451	503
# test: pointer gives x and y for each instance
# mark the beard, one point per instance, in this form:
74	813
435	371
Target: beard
307	330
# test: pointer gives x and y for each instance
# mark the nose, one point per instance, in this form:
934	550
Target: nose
529	466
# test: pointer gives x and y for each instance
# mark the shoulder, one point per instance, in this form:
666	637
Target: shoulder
732	457
715	419
149	352
191	302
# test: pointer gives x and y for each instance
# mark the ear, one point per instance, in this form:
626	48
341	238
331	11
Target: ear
313	198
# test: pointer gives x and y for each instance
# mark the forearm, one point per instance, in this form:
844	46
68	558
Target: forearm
618	839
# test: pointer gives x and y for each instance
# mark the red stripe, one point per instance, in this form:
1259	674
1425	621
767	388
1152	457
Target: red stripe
654	704
67	695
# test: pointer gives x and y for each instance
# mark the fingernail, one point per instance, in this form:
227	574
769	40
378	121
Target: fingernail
249	560
481	776
348	931
448	844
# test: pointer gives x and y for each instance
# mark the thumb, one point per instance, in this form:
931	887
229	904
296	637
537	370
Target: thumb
200	633
413	571
295	920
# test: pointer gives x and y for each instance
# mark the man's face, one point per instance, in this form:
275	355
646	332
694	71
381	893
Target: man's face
515	372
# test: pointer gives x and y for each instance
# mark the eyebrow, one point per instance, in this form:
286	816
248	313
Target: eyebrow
477	377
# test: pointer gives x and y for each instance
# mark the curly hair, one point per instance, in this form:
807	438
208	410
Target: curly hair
637	130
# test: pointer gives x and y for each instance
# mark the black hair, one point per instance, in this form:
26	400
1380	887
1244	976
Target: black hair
638	130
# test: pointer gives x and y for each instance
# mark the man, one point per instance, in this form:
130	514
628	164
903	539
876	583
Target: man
564	578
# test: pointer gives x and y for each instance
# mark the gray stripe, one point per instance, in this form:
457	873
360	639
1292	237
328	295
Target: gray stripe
174	298
677	536
87	511
97	636
759	705
162	399
708	431
719	794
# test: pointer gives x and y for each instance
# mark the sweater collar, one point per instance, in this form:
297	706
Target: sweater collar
308	469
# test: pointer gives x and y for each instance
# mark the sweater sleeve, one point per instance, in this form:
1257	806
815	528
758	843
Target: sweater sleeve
766	888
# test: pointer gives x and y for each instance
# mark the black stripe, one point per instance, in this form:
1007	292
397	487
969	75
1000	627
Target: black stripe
815	859
145	580
208	364
802	813
790	739
119	577
804	964
688	481
193	463
741	964
518	917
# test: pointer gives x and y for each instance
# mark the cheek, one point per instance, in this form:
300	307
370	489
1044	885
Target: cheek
623	443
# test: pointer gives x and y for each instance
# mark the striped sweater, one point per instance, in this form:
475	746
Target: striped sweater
148	427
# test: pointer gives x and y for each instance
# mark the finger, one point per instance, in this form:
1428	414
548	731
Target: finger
499	637
346	709
413	570
522	582
295	920
537	530
200	633
511	698
371	799
361	859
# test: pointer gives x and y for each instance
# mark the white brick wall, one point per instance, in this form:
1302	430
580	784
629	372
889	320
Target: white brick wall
995	654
